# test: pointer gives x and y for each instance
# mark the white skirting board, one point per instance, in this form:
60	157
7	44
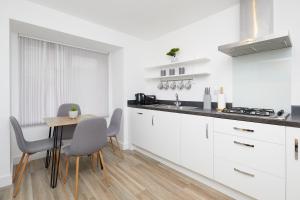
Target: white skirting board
211	183
5	181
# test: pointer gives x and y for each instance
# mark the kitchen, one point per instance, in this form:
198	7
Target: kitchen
200	99
239	144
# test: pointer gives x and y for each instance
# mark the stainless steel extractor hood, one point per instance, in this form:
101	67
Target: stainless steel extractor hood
256	30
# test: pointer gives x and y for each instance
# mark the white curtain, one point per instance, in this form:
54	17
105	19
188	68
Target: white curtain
51	74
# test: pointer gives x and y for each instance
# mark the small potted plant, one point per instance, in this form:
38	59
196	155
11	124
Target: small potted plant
73	113
173	53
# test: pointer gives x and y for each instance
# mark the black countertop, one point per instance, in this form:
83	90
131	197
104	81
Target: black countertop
292	121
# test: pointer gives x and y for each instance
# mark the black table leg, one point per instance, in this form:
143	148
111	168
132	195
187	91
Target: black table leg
52	182
48	152
56	156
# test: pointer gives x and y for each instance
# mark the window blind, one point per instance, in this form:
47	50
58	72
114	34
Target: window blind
51	74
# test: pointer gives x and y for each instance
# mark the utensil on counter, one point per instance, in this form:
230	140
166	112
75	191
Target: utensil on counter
207	99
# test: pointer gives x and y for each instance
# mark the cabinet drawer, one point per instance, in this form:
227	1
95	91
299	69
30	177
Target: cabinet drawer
264	132
263	156
248	181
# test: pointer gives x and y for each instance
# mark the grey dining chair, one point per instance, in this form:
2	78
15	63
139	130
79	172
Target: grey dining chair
63	111
114	127
89	138
28	148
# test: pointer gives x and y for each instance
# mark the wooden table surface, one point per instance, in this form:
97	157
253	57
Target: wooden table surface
63	121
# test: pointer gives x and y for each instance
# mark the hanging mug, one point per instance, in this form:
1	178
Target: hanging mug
173	85
166	85
180	85
160	85
188	85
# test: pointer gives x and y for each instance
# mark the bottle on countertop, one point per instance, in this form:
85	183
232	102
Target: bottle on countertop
221	100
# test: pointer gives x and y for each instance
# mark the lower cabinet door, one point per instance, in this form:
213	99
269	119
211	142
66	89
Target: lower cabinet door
254	183
196	149
165	135
140	127
293	163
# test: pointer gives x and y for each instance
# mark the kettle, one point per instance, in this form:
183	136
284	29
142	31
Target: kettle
140	98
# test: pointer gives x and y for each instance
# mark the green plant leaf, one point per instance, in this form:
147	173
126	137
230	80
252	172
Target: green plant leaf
173	52
73	108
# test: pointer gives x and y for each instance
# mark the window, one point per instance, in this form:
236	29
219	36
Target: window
50	74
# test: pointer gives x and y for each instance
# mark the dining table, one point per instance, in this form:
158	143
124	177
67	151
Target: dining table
56	125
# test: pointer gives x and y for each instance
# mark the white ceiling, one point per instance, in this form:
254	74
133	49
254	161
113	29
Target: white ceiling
146	19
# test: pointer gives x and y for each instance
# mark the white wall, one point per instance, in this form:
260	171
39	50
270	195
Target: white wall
199	39
31	13
286	17
5	173
278	83
116	86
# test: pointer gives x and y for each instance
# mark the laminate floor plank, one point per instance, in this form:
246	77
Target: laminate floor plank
132	176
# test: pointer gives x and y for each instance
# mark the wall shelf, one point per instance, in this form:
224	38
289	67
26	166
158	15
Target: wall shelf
184	62
179	77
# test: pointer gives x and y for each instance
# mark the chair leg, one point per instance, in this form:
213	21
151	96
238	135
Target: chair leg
100	162
67	169
112	144
18	168
103	165
117	143
76	178
17	187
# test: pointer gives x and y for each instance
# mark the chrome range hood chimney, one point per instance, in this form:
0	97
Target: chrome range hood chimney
256	30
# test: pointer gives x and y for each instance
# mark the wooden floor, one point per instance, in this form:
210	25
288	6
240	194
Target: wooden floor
134	176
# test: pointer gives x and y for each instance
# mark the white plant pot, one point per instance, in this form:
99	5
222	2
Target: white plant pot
174	59
73	114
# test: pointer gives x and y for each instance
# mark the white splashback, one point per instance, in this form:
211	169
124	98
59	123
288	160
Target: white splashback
263	80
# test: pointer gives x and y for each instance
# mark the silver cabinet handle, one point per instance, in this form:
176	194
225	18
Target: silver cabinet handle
243	129
296	149
206	131
139	113
242	172
152	120
243	144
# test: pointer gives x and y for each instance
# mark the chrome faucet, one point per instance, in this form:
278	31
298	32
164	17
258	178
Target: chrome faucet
177	102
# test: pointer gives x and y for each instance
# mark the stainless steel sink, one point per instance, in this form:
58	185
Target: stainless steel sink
175	107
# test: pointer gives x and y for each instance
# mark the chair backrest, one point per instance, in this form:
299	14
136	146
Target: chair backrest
22	143
89	136
64	109
115	121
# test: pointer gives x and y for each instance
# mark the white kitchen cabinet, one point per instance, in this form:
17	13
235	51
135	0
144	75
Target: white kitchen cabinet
257	184
140	127
293	164
156	132
264	156
165	135
250	158
196	139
